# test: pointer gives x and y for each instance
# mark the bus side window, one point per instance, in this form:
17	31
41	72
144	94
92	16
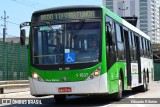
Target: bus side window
135	47
131	47
148	49
144	44
140	44
120	42
110	41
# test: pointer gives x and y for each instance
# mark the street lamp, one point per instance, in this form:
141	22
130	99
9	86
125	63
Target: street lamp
151	31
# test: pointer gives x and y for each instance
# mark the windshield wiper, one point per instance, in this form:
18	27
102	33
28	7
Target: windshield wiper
78	28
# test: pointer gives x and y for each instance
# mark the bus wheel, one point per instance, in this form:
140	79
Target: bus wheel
60	98
144	87
117	96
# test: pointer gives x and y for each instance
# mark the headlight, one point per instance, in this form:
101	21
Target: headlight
95	74
36	76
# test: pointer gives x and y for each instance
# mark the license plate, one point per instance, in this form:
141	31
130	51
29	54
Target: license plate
64	89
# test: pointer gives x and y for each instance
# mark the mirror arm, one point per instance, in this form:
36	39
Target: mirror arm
25	24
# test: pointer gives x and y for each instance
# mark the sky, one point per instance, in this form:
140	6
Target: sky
19	11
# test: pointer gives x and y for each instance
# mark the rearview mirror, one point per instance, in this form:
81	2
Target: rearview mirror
22	36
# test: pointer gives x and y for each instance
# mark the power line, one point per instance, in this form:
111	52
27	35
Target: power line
31	4
17	18
24	4
35	3
8	35
10	22
13	23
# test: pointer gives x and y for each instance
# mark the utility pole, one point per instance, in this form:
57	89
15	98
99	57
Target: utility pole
124	8
4	29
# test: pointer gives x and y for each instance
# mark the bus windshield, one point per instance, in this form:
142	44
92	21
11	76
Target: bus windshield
66	43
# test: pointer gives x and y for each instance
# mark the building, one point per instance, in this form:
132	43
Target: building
147	12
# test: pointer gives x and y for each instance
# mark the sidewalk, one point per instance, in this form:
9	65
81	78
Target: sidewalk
25	93
13	86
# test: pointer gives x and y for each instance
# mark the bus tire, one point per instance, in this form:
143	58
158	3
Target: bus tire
118	96
144	87
60	98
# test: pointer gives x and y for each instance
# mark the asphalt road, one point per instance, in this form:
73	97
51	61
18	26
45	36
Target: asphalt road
130	99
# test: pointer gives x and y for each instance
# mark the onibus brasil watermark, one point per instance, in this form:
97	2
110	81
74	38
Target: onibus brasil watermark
20	101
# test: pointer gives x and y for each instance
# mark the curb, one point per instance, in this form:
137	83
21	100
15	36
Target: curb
16	94
11	86
14	82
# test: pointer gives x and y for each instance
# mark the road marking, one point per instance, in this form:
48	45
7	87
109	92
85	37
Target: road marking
131	96
140	105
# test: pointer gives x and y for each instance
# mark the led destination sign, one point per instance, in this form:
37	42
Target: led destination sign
70	15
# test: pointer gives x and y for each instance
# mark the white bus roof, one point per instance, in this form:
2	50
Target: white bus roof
135	29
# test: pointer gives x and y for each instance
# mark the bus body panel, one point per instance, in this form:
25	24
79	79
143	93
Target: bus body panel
94	86
32	87
113	76
70	75
146	64
107	82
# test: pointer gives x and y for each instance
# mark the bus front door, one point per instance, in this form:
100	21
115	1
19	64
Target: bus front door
128	58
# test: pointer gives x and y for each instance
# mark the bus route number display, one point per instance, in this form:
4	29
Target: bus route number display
70	15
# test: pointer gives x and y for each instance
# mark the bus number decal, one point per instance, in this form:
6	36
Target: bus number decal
82	75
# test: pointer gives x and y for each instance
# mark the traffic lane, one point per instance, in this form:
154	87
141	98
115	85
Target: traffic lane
71	101
153	91
93	101
79	101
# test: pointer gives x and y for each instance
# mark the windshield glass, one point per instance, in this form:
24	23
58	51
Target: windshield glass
67	43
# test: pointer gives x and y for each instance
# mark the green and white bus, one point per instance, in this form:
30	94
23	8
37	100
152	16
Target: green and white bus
85	50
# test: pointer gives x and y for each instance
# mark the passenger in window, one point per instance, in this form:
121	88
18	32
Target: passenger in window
94	46
59	47
59	50
94	50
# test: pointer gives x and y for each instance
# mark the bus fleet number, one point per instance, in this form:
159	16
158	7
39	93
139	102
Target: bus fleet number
82	75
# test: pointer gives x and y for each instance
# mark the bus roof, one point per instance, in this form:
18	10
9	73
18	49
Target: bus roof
126	24
69	7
